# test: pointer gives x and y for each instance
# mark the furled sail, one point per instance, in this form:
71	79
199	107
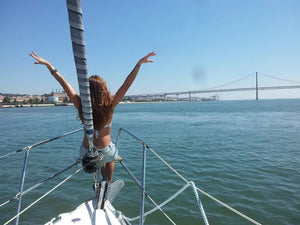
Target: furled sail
78	45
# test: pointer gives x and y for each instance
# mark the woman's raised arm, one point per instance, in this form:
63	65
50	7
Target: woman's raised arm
66	86
130	78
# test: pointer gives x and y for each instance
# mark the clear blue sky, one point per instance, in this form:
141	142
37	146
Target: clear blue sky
199	44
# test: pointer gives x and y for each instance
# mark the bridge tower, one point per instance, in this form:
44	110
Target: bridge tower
256	85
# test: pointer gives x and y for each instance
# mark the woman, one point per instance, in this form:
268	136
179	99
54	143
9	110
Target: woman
103	105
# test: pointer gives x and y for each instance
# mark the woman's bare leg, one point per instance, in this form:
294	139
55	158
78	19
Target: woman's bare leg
107	171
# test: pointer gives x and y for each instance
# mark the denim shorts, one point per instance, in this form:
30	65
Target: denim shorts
110	152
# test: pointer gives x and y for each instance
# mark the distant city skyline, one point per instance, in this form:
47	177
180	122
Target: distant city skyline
210	93
46	92
199	44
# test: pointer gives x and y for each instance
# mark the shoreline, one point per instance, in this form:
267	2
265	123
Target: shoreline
65	104
123	103
71	104
36	105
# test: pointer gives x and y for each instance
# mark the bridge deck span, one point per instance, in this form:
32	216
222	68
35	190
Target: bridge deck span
217	90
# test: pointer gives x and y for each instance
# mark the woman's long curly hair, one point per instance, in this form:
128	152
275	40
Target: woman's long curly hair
101	100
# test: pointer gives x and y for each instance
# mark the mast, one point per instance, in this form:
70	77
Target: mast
78	45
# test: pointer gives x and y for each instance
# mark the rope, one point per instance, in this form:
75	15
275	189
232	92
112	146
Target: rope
78	46
205	193
199	203
40	198
159	207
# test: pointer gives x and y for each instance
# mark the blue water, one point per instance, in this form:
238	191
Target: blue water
244	153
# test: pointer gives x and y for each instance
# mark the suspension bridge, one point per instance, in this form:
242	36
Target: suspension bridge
218	89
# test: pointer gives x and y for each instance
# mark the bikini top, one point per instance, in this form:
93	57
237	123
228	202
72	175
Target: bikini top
97	132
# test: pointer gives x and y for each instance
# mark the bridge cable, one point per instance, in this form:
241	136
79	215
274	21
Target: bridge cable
277	78
226	84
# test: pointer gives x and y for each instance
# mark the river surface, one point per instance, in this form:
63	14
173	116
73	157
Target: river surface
244	153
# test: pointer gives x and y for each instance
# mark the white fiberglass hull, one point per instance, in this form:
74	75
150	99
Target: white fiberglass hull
86	214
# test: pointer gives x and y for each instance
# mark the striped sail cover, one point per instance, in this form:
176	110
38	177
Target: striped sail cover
78	45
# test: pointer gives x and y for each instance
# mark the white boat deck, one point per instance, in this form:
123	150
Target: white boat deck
87	214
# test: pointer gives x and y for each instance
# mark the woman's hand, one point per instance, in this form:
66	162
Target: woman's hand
146	59
39	60
66	86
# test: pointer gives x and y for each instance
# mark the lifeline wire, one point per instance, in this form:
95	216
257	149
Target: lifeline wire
168	200
191	183
44	195
205	193
148	196
185	180
42	142
40	183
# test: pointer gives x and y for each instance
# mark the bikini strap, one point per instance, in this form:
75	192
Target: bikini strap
108	125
